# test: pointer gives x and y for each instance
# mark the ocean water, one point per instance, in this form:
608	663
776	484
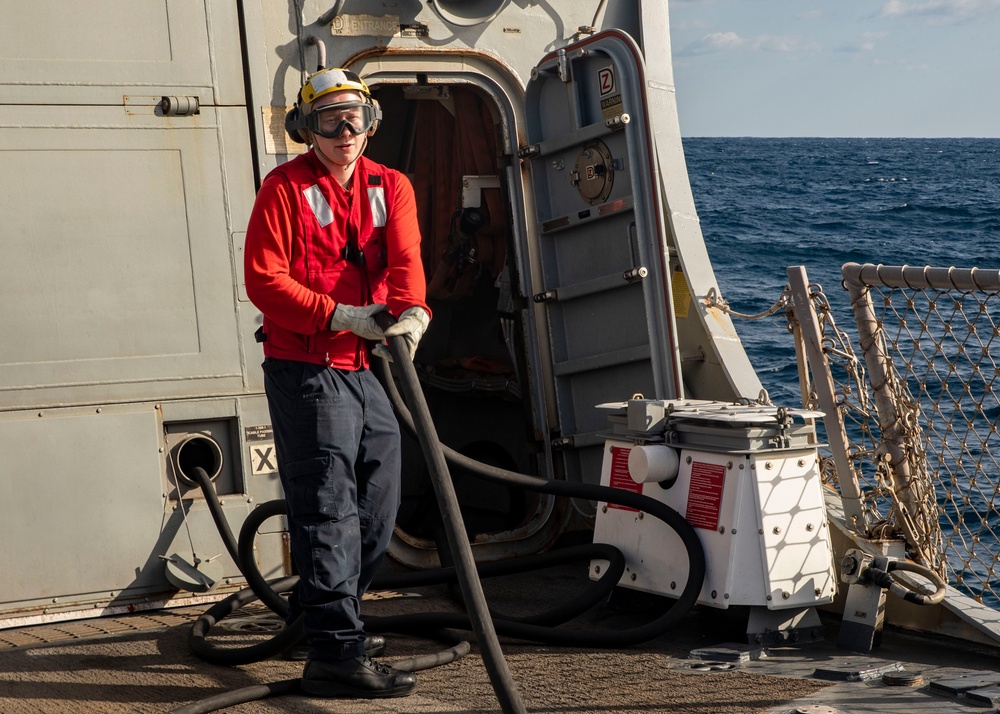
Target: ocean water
767	204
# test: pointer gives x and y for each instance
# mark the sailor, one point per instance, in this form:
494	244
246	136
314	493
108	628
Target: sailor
332	241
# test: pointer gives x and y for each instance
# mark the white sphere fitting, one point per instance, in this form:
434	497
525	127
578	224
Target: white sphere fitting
653	462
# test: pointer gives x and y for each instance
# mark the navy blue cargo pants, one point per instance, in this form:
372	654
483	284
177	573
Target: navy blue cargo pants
337	443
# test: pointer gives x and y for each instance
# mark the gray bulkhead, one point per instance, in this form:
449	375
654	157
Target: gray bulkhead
125	328
126	325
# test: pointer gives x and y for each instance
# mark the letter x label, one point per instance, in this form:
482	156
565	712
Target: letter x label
262	459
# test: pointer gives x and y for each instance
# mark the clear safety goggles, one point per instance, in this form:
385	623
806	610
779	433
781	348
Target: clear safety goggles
331	120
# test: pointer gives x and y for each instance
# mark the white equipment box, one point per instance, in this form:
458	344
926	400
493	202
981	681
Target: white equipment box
745	476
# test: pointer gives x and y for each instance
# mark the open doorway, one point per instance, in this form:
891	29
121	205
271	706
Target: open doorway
471	363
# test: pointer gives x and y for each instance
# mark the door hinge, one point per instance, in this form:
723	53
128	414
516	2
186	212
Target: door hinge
180	106
563	442
529	151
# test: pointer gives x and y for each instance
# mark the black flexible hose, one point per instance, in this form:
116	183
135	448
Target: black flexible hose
692	544
472	589
394	581
528	628
269	594
201	477
557	615
232	657
260	587
905	590
479	620
434	453
291	634
240	696
248	565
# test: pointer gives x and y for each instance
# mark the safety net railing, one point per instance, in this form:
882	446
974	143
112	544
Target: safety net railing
915	450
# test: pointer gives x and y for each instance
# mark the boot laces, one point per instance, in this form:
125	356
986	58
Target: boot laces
377	666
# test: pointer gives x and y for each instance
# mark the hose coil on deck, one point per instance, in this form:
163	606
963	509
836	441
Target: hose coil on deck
543	627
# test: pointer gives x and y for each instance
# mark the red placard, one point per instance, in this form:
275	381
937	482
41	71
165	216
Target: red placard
620	477
705	495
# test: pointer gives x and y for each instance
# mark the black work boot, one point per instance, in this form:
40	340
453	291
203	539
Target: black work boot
360	677
374	646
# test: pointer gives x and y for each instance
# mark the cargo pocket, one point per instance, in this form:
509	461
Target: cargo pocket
307	483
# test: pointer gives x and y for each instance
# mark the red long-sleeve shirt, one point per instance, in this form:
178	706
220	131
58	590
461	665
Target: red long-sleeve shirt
294	262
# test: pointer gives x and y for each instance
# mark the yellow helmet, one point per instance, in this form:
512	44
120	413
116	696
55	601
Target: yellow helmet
332	80
323	82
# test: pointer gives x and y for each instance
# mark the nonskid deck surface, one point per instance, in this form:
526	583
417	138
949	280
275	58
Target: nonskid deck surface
142	663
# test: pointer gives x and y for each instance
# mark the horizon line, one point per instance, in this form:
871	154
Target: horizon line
908	138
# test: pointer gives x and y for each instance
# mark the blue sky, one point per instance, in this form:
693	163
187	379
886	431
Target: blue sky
877	68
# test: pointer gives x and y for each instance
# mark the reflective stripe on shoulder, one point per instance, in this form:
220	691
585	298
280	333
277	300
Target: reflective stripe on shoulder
376	198
319	205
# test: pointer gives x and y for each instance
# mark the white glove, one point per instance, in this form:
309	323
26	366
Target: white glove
411	327
359	320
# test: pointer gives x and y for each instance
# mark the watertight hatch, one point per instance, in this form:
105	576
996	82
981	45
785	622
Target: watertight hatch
604	284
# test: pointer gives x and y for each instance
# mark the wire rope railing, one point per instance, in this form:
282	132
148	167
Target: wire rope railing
919	404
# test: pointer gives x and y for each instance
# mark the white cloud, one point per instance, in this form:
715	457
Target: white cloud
714	42
939	11
865	43
780	43
729	41
688	25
